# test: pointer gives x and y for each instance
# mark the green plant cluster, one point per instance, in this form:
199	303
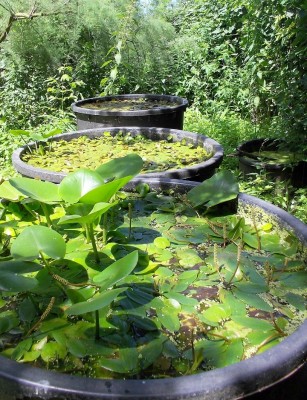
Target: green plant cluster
95	282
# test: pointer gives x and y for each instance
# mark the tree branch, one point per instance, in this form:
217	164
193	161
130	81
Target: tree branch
20	16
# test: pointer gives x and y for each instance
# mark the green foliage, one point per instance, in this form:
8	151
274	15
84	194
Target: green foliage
127	305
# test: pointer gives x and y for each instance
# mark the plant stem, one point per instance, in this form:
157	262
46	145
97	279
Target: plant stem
238	263
90	231
47	214
104	228
97	325
130	218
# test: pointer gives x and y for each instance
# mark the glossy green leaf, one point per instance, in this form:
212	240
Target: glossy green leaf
130	165
36	239
53	351
20	132
216	313
150	352
181	298
79	183
116	271
19	267
45	192
253	300
105	192
8	321
297	301
232	353
11	282
21	348
7	191
253	323
95	303
293	279
221	187
127	361
97	211
161	242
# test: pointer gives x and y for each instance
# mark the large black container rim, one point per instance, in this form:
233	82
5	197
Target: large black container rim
179	104
233	382
189	172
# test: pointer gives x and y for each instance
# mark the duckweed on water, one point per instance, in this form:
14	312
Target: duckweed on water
117	105
142	285
158	156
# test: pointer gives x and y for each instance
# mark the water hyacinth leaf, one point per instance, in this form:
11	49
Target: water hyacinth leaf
95	303
79	183
45	192
218	189
130	165
7	191
97	211
116	271
38	239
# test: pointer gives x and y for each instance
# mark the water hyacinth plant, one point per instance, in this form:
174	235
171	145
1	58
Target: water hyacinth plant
103	283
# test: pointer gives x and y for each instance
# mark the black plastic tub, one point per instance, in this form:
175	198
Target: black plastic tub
277	374
197	172
250	163
165	116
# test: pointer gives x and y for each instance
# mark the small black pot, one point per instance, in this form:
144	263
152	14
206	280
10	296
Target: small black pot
277	374
160	116
197	172
296	173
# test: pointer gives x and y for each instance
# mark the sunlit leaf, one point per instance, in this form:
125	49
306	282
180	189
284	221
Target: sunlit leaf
130	165
45	192
218	189
36	239
116	271
95	303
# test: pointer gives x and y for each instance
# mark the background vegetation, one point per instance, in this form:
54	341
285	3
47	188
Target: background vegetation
240	63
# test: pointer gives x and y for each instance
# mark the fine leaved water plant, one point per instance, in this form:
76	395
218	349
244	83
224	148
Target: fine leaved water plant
105	283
